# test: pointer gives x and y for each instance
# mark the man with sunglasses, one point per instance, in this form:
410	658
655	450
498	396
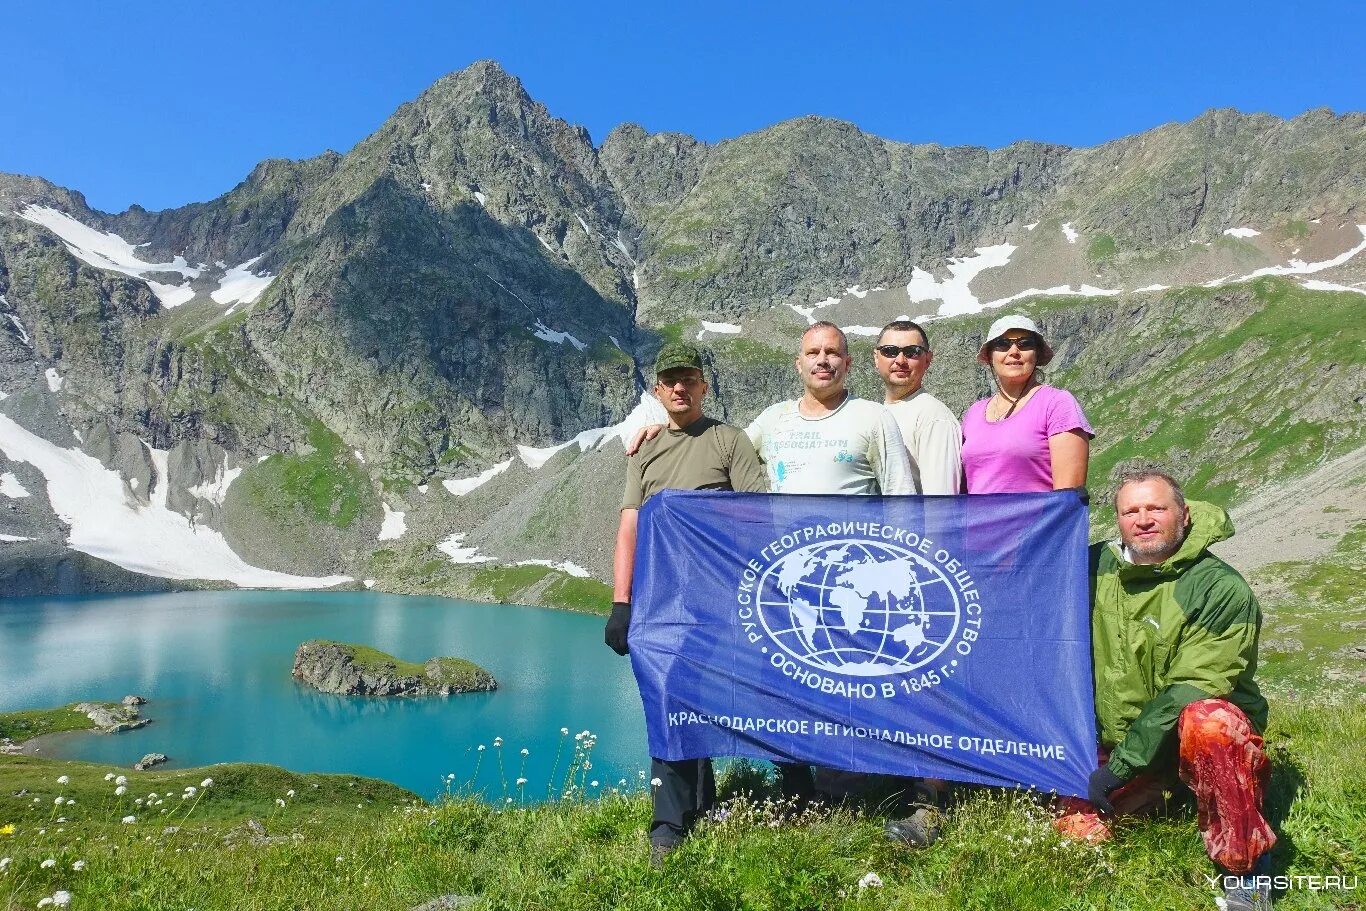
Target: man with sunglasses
933	438
692	453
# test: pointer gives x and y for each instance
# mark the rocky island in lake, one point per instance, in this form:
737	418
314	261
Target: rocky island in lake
358	670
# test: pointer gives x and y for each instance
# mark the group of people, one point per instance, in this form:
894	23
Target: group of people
1174	628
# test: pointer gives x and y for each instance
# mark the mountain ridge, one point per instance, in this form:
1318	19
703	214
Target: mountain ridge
475	281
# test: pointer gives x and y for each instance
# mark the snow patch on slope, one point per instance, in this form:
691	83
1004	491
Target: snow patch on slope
105	250
1083	291
955	294
461	486
718	329
648	411
394	524
545	333
1300	267
1070	233
458	553
20	328
1242	232
239	285
11	487
567	566
1314	284
150	539
214	491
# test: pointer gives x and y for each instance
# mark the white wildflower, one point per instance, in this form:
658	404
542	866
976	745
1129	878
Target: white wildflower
5	862
129	820
48	864
63	779
61	819
121	790
280	802
290	793
520	782
497	741
61	898
564	731
58	801
122	779
138	801
44	902
870	881
593	783
71	801
206	783
78	866
481	748
525	751
655	782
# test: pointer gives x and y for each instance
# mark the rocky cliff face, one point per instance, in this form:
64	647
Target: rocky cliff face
317	350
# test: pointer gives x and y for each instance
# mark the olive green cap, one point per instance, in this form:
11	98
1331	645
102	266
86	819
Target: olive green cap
675	355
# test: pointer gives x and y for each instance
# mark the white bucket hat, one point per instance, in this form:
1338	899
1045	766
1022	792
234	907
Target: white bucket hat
1015	321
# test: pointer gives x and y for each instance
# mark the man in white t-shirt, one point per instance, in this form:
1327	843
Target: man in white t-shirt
827	441
933	436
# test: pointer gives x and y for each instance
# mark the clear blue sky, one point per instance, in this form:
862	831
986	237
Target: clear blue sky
164	103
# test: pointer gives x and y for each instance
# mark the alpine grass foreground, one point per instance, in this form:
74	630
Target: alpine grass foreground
258	837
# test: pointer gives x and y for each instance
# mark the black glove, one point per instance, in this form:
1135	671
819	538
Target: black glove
1098	789
614	634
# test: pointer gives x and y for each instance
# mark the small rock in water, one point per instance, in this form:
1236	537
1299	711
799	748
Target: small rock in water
131	701
148	761
111	719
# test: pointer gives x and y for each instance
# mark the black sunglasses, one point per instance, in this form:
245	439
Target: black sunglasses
1028	343
911	351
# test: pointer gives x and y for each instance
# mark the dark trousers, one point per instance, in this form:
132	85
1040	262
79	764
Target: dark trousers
796	780
686	790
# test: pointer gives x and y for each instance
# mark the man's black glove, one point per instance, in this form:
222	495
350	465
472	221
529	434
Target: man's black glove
1098	789
614	634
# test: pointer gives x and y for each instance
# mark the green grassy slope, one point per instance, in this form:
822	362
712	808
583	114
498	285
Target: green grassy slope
338	842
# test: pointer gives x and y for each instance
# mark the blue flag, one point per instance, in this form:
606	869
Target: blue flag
946	637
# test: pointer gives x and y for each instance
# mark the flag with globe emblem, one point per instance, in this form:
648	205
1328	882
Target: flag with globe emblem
936	636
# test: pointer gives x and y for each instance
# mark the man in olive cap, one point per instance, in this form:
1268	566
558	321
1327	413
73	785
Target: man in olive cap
693	453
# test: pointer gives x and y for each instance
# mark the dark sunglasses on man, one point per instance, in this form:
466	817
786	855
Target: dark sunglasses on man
1028	343
911	351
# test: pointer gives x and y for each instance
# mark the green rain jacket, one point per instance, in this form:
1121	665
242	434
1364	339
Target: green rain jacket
1166	635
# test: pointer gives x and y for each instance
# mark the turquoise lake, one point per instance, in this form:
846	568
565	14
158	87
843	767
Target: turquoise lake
216	669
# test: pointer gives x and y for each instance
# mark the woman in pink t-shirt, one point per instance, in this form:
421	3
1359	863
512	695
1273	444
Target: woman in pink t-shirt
1028	436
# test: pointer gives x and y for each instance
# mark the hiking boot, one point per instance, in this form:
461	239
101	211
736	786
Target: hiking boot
1250	893
1080	822
919	830
660	850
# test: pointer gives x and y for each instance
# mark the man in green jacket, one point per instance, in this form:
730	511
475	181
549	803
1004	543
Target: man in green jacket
1174	640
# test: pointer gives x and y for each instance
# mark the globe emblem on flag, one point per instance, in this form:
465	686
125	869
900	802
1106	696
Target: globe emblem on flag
859	608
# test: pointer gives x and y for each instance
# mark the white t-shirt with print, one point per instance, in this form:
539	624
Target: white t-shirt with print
856	449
